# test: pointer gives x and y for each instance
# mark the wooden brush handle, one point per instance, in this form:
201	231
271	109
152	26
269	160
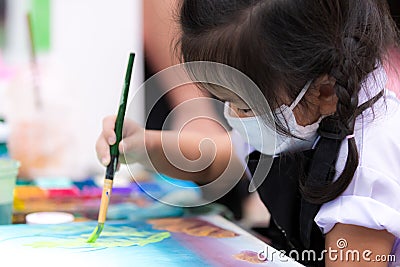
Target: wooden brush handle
105	199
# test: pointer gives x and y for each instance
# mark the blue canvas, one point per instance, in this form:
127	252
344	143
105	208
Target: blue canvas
200	241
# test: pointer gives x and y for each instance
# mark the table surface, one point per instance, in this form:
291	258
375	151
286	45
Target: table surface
186	241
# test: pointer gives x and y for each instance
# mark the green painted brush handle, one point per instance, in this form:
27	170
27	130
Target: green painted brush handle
122	107
119	123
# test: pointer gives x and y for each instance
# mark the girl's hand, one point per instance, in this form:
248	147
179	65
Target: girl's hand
131	148
186	155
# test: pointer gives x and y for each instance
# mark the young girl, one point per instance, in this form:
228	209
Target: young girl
334	176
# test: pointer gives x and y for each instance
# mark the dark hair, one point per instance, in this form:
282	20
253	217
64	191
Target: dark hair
394	6
282	44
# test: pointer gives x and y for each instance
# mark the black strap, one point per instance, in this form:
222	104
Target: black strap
319	175
333	128
369	103
322	170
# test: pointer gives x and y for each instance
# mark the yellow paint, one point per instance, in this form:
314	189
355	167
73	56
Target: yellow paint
29	192
111	236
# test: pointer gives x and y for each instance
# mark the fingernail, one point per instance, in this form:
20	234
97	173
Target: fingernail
104	161
111	140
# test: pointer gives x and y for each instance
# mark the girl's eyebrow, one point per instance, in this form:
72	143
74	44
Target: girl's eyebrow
226	100
223	99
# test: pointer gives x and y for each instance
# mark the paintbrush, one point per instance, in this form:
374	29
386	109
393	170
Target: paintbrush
114	153
34	64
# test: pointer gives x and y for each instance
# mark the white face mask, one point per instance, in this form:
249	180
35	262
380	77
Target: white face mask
266	140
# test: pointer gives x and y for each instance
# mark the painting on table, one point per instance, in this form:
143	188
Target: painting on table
192	241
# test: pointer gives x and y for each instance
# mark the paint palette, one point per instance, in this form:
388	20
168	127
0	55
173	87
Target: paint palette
193	241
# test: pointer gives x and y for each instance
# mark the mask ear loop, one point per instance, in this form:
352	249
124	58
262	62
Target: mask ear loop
227	108
301	95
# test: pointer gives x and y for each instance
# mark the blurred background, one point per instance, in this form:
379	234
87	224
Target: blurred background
62	64
56	87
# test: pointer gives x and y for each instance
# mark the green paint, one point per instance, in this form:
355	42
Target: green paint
96	233
111	237
41	24
115	242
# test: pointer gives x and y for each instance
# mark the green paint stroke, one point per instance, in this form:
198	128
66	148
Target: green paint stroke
110	238
41	24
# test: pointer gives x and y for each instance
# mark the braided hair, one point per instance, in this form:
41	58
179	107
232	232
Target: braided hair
282	44
352	66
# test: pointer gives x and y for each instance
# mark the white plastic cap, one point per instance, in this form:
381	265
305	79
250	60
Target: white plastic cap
4	132
49	218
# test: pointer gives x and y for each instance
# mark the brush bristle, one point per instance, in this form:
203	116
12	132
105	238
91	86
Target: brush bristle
96	233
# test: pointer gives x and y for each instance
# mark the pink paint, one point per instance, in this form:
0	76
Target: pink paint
6	72
91	192
63	192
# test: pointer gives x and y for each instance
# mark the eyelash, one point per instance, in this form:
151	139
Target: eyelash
244	110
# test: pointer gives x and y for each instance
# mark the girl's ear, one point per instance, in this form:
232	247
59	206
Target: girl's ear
327	96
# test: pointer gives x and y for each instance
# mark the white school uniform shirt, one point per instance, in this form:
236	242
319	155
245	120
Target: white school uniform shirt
372	199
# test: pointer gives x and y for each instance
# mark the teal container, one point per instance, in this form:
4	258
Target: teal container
4	133
8	177
3	150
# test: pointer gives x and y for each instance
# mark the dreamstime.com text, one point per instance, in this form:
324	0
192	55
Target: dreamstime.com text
340	253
